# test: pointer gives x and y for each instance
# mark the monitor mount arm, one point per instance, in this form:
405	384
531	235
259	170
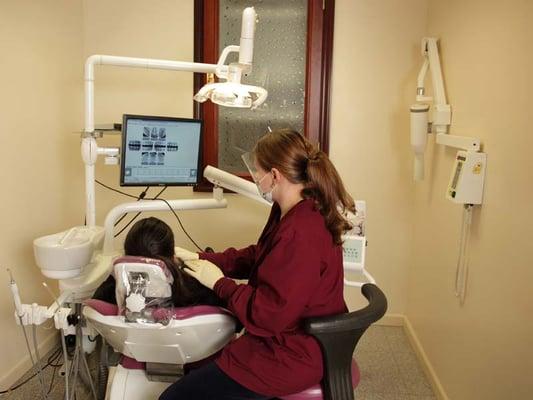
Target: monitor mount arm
230	93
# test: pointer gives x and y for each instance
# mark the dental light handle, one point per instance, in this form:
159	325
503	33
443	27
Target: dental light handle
419	134
246	43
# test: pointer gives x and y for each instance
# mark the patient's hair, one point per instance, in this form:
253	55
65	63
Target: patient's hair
301	162
152	238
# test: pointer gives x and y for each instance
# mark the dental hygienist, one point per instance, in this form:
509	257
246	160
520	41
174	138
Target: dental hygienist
294	272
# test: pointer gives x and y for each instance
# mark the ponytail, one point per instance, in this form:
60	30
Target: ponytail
300	162
325	186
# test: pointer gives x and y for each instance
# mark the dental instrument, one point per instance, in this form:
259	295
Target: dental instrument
19	312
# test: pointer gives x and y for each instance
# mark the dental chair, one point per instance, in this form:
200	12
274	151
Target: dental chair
159	346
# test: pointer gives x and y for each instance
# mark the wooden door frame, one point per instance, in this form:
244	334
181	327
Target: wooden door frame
320	19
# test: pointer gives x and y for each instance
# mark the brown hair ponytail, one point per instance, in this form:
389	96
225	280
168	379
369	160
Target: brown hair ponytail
300	162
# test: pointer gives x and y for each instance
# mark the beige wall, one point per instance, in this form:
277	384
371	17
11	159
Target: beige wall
482	350
375	56
40	43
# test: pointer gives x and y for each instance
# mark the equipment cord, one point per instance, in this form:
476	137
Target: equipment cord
141	197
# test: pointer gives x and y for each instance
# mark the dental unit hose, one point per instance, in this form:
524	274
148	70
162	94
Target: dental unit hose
38	361
63	342
461	273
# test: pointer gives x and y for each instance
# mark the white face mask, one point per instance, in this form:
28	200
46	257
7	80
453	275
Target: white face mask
266	195
249	161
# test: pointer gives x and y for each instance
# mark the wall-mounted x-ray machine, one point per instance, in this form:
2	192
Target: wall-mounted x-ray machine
468	174
440	115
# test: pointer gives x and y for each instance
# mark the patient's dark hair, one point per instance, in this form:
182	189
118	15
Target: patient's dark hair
152	238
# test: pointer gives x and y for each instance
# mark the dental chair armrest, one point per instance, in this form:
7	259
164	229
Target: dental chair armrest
338	336
353	321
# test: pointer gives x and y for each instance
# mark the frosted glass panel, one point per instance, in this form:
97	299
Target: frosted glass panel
278	66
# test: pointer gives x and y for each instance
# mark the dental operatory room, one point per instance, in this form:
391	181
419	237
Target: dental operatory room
171	167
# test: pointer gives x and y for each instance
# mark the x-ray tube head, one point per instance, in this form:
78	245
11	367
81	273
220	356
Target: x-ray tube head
419	134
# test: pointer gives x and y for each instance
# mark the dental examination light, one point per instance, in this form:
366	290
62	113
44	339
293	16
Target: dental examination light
231	93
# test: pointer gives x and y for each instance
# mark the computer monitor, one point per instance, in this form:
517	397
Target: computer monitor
160	151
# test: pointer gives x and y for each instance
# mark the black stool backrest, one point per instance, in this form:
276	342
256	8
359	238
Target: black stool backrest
338	335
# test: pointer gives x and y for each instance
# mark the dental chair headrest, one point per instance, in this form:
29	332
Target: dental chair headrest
143	260
142	284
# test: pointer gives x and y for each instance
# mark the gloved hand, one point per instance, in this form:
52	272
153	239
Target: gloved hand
185	255
204	271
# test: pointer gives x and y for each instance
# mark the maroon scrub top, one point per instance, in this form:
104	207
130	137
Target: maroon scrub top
295	271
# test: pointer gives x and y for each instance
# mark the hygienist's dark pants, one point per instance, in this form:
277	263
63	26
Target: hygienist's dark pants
208	383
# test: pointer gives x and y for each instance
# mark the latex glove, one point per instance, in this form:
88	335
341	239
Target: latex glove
204	271
185	255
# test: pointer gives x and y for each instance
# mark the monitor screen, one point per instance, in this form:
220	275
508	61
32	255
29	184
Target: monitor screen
158	151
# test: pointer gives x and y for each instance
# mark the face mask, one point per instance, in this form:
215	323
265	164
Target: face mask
265	195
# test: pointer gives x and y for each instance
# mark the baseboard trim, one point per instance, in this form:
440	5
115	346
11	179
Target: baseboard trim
392	320
24	365
403	321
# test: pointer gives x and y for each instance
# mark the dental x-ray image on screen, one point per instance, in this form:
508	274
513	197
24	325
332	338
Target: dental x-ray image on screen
159	151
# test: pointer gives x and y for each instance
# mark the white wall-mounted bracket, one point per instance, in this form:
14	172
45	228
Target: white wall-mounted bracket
459	142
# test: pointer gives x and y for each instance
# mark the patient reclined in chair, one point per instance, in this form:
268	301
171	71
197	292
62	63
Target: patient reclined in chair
153	239
152	337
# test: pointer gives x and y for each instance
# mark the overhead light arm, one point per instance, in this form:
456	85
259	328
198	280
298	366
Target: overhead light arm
230	93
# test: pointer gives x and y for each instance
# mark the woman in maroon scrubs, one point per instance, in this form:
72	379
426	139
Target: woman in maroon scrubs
294	272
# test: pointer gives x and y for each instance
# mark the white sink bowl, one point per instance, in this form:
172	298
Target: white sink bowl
63	255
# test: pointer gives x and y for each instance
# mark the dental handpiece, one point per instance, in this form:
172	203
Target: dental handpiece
15	292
